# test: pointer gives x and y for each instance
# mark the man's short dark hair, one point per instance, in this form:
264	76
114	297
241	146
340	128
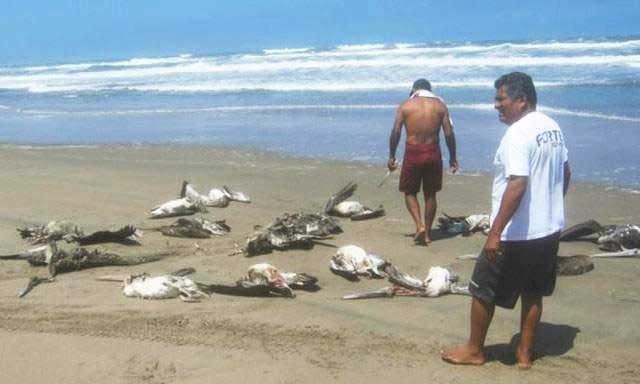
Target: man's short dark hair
421	84
519	86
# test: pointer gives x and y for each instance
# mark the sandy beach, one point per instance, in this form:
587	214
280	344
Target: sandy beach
79	330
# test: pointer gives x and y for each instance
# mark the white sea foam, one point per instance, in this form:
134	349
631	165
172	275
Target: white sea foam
306	107
359	47
133	62
279	51
553	111
186	74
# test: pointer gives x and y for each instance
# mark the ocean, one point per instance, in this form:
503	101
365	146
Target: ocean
335	102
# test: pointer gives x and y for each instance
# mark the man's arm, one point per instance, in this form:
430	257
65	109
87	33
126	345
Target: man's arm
516	187
450	139
394	139
567	178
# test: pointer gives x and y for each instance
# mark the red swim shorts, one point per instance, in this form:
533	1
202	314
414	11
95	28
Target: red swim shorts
422	164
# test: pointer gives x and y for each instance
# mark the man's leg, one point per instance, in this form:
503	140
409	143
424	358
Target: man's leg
473	352
529	320
430	206
413	206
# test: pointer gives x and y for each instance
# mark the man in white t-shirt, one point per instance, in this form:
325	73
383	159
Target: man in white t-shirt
519	257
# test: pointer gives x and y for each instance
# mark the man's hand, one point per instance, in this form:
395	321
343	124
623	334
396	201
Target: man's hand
491	247
453	166
391	164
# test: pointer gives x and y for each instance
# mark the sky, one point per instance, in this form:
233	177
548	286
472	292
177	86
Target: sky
45	31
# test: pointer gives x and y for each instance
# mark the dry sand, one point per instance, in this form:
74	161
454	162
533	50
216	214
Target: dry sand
78	330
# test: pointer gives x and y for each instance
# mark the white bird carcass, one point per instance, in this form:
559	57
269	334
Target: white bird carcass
162	287
177	207
351	261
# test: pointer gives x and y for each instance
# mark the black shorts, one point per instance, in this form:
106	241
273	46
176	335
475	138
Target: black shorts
527	266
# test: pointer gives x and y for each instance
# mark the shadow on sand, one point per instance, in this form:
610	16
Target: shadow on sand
551	340
437	234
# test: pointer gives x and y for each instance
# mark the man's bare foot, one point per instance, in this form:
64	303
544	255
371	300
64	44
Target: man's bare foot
420	237
463	355
427	239
523	359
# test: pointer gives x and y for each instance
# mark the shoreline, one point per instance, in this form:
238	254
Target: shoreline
632	190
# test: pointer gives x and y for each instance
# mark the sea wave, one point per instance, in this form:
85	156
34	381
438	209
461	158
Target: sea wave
359	47
306	107
345	67
280	51
204	75
554	111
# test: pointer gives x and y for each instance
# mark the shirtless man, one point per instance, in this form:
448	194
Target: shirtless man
422	115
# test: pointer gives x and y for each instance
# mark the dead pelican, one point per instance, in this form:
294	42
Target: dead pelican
298	230
338	205
159	287
76	259
439	281
352	261
70	232
618	240
217	197
465	225
199	228
574	265
178	207
263	280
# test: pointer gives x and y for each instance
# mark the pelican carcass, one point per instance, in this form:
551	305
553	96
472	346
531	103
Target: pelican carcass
198	228
298	230
615	240
351	261
217	197
465	225
338	205
177	207
264	279
439	281
160	287
70	232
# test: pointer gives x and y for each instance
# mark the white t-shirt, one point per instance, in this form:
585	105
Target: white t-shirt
533	147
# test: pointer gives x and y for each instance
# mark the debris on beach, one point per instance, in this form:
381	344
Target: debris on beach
33	282
615	240
217	197
574	265
62	261
338	205
620	238
464	225
76	259
168	286
265	280
298	230
439	281
351	261
72	233
581	230
197	228
177	207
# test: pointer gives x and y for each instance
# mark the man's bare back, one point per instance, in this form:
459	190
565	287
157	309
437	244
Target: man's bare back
423	117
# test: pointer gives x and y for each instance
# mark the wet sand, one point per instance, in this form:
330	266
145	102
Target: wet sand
79	330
